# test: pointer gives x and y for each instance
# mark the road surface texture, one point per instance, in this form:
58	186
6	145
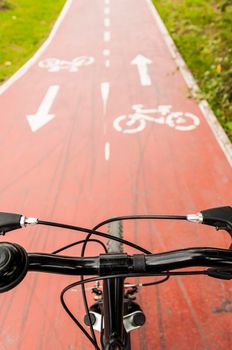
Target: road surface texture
101	123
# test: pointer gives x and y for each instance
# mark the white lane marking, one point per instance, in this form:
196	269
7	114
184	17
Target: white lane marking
107	11
42	117
107	2
162	115
106	52
107	63
56	65
107	151
24	69
142	62
107	22
105	91
209	115
107	36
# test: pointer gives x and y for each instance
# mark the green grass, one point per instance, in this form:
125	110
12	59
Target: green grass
24	25
202	31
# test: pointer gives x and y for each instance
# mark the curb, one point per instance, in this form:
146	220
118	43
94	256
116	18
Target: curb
209	115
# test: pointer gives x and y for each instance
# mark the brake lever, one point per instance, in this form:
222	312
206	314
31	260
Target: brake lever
220	217
11	221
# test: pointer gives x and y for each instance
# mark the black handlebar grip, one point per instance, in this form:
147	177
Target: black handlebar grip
9	222
13	265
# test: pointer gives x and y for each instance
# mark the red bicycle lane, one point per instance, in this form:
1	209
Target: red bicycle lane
171	164
79	168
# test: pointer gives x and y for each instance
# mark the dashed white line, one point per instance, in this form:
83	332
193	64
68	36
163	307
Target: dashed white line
107	151
107	22
107	63
105	87
105	91
106	52
107	36
106	10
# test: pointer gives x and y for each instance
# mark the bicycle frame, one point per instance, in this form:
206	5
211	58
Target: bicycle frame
113	295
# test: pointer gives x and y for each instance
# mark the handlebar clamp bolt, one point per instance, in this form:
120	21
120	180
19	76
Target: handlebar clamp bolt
90	321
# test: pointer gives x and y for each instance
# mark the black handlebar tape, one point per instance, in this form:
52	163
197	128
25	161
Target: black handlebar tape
9	222
111	264
190	257
218	217
65	265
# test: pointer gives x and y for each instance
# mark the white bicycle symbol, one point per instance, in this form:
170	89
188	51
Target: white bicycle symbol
133	123
55	65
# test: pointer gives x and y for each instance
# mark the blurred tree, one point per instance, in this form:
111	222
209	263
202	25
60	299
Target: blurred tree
226	4
4	4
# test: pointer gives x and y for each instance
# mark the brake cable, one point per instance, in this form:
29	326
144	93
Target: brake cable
80	242
123	218
85	242
84	297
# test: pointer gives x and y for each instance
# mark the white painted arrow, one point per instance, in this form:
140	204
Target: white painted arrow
42	117
142	63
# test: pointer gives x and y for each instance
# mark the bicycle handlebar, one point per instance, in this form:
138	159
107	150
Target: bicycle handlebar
15	262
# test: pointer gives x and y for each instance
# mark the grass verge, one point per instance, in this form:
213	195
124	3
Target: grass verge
202	31
24	24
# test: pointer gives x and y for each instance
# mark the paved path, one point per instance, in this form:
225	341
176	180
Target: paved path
102	125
